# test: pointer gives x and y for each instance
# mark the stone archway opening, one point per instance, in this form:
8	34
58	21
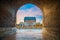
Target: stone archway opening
29	18
29	14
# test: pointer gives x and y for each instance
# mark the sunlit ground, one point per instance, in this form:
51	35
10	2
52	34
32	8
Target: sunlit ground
29	34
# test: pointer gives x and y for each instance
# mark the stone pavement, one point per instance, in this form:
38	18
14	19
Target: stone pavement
26	34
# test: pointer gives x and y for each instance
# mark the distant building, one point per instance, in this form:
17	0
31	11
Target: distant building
29	21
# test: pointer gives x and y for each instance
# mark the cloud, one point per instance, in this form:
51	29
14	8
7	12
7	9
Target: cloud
29	12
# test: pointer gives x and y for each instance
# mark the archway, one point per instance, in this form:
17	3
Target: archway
29	14
29	19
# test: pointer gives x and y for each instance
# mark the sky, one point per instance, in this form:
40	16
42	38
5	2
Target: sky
29	10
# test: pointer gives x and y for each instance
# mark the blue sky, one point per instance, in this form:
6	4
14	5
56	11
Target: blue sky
28	6
29	10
